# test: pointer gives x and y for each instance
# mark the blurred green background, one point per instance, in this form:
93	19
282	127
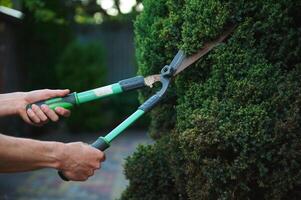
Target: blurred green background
71	44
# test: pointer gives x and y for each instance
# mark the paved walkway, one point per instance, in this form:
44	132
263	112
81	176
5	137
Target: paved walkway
106	184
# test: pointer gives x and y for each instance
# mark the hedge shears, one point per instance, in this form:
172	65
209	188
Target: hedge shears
179	63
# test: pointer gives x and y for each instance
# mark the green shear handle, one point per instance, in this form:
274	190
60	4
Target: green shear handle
67	102
74	99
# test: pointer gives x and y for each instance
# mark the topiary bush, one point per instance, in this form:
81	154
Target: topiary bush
230	126
155	178
81	67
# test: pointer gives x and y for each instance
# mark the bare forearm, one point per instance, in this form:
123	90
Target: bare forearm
18	154
10	103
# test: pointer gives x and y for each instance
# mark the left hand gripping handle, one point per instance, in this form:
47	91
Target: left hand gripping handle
66	102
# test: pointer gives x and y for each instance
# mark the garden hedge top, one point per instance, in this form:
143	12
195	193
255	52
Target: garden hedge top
178	64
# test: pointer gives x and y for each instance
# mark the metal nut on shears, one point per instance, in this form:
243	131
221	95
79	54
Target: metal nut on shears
167	71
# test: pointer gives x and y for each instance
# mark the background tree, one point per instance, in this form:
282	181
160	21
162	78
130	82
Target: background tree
51	59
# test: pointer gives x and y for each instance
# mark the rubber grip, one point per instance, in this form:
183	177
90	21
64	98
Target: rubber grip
150	103
65	102
100	144
132	83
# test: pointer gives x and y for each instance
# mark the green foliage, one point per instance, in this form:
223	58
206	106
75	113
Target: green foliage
6	3
236	128
43	41
81	12
151	177
80	68
47	11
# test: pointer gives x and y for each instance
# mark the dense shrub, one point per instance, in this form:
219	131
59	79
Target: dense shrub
80	68
159	179
230	127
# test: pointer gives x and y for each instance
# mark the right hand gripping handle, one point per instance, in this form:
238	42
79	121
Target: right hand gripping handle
100	144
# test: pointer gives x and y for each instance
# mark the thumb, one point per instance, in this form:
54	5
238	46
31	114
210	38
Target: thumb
47	94
55	93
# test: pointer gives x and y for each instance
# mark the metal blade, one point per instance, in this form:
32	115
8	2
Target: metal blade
177	60
182	63
207	47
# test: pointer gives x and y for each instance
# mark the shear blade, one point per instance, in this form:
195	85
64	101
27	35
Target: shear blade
206	48
180	62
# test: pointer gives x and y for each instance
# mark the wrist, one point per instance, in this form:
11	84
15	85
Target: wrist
56	153
19	102
11	103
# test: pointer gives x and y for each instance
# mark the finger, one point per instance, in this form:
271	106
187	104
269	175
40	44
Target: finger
39	113
91	173
75	177
32	116
50	113
25	117
83	177
101	156
97	165
62	111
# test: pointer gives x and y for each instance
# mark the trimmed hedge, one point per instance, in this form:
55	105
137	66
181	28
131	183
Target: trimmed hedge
230	127
145	169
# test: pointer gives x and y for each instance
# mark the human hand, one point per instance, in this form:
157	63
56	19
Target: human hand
78	161
40	115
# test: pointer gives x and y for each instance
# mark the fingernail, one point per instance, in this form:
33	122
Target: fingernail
44	106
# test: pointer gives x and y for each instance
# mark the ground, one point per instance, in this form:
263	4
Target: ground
107	184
